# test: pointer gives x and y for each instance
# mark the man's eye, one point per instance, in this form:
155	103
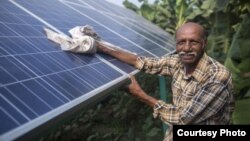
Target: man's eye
194	43
180	43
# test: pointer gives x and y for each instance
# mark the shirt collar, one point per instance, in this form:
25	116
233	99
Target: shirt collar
201	68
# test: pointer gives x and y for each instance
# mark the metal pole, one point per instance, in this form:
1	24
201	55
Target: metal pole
163	95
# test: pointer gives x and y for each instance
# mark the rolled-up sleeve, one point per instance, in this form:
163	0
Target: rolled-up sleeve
167	112
164	65
207	102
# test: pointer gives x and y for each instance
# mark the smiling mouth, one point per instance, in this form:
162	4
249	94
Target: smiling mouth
187	56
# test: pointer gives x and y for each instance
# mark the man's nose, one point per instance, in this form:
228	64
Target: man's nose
187	46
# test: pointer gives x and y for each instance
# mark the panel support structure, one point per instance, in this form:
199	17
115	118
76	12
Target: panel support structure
163	95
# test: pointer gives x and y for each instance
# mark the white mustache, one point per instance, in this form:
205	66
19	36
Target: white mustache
187	53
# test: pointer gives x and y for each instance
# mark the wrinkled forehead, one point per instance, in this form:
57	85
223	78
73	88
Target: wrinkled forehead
190	28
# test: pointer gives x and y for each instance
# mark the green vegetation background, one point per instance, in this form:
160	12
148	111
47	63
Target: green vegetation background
121	117
227	22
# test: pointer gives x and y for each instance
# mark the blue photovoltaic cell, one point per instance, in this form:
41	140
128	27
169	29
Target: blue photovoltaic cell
16	104
129	19
123	30
115	33
7	114
59	21
37	78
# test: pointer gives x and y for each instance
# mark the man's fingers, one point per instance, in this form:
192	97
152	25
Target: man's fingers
133	80
125	86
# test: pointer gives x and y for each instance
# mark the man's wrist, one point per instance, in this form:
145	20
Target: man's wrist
149	100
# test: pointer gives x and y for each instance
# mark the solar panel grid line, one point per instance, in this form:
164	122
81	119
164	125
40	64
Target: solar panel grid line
111	13
25	66
57	30
10	92
160	34
20	28
96	6
152	27
135	21
62	99
29	75
36	17
144	45
117	16
127	26
4	29
69	90
146	30
11	117
88	6
64	68
109	17
122	11
39	76
163	42
113	66
14	47
26	117
61	80
138	18
19	99
5	72
18	115
157	29
51	114
108	28
39	98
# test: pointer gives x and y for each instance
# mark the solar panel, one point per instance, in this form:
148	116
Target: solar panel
39	82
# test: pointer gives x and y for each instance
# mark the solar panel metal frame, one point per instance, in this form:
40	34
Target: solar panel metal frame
33	127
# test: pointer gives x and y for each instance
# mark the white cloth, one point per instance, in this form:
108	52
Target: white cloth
79	43
79	31
83	40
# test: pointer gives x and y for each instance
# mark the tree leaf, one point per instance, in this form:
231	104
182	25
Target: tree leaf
244	66
229	64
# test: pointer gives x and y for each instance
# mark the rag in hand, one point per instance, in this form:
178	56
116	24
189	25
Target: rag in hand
83	40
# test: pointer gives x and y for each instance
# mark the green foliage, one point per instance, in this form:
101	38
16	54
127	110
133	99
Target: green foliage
123	118
242	115
238	57
130	5
227	22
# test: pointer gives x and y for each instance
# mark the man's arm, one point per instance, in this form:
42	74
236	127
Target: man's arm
135	90
123	56
207	102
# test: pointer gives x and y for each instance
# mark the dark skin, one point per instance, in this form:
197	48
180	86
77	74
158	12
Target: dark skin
190	42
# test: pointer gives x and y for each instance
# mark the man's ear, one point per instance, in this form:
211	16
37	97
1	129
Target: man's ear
204	44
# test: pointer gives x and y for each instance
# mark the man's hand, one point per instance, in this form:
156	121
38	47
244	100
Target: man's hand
135	90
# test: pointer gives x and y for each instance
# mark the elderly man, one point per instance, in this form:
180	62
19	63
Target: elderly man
201	86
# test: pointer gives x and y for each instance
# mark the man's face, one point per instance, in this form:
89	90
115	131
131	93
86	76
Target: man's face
190	43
